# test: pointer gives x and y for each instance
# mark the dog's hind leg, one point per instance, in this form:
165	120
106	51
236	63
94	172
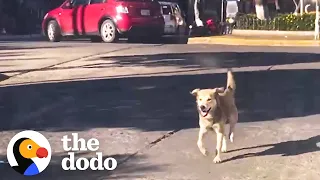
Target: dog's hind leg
224	144
233	119
231	132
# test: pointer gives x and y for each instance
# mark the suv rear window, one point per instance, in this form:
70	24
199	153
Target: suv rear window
166	9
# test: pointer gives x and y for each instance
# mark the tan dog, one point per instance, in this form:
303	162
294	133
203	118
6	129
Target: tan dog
217	107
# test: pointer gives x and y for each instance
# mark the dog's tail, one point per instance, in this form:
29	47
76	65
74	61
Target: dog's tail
231	83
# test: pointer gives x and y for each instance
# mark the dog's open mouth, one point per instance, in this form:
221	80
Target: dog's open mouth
204	113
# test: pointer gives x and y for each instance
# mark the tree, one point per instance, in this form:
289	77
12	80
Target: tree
262	10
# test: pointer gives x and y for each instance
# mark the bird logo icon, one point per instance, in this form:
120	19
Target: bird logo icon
29	153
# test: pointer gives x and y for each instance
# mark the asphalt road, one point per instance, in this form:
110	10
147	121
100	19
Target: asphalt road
135	99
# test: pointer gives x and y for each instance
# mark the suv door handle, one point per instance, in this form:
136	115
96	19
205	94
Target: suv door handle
103	9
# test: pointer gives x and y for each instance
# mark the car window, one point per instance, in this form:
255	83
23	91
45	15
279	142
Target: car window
79	2
96	1
166	9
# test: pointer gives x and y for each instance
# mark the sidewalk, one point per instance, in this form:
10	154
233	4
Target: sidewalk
260	38
252	41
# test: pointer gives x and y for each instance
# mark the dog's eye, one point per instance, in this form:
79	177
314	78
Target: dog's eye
209	100
200	99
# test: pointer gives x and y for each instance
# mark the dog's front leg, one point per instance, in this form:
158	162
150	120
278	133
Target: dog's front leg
220	133
202	133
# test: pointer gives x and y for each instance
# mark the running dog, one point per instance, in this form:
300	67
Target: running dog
216	108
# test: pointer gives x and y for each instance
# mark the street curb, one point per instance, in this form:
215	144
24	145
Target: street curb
239	41
19	37
240	32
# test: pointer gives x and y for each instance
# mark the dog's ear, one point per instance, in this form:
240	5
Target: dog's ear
195	92
215	91
220	89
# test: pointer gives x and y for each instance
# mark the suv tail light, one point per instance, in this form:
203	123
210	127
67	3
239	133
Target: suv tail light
122	9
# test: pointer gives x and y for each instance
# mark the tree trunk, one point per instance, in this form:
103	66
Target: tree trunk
197	13
276	2
297	4
261	9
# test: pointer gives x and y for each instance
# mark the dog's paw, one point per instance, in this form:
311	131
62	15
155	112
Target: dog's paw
217	159
204	152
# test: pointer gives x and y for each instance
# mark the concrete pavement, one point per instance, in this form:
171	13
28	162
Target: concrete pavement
261	38
266	150
42	61
135	99
239	37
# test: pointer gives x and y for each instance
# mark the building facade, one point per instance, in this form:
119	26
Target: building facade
24	16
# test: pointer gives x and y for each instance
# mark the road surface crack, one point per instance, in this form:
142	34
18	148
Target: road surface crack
165	136
147	147
269	68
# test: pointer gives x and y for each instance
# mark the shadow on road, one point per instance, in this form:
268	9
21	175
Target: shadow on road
161	103
213	59
16	38
135	167
287	148
3	77
154	103
187	61
15	47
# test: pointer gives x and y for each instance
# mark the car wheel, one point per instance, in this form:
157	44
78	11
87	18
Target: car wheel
53	31
108	32
96	39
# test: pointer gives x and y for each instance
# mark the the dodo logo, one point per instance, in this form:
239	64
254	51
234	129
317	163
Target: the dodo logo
29	153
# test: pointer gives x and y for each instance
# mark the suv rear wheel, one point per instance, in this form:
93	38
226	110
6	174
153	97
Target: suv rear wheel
53	31
108	31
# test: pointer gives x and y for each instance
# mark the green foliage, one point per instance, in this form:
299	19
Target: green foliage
282	22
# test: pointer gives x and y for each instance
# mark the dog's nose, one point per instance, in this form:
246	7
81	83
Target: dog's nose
202	108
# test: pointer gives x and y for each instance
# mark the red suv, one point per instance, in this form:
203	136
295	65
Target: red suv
104	20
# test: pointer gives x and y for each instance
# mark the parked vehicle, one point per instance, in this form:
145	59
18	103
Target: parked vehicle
104	20
173	18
